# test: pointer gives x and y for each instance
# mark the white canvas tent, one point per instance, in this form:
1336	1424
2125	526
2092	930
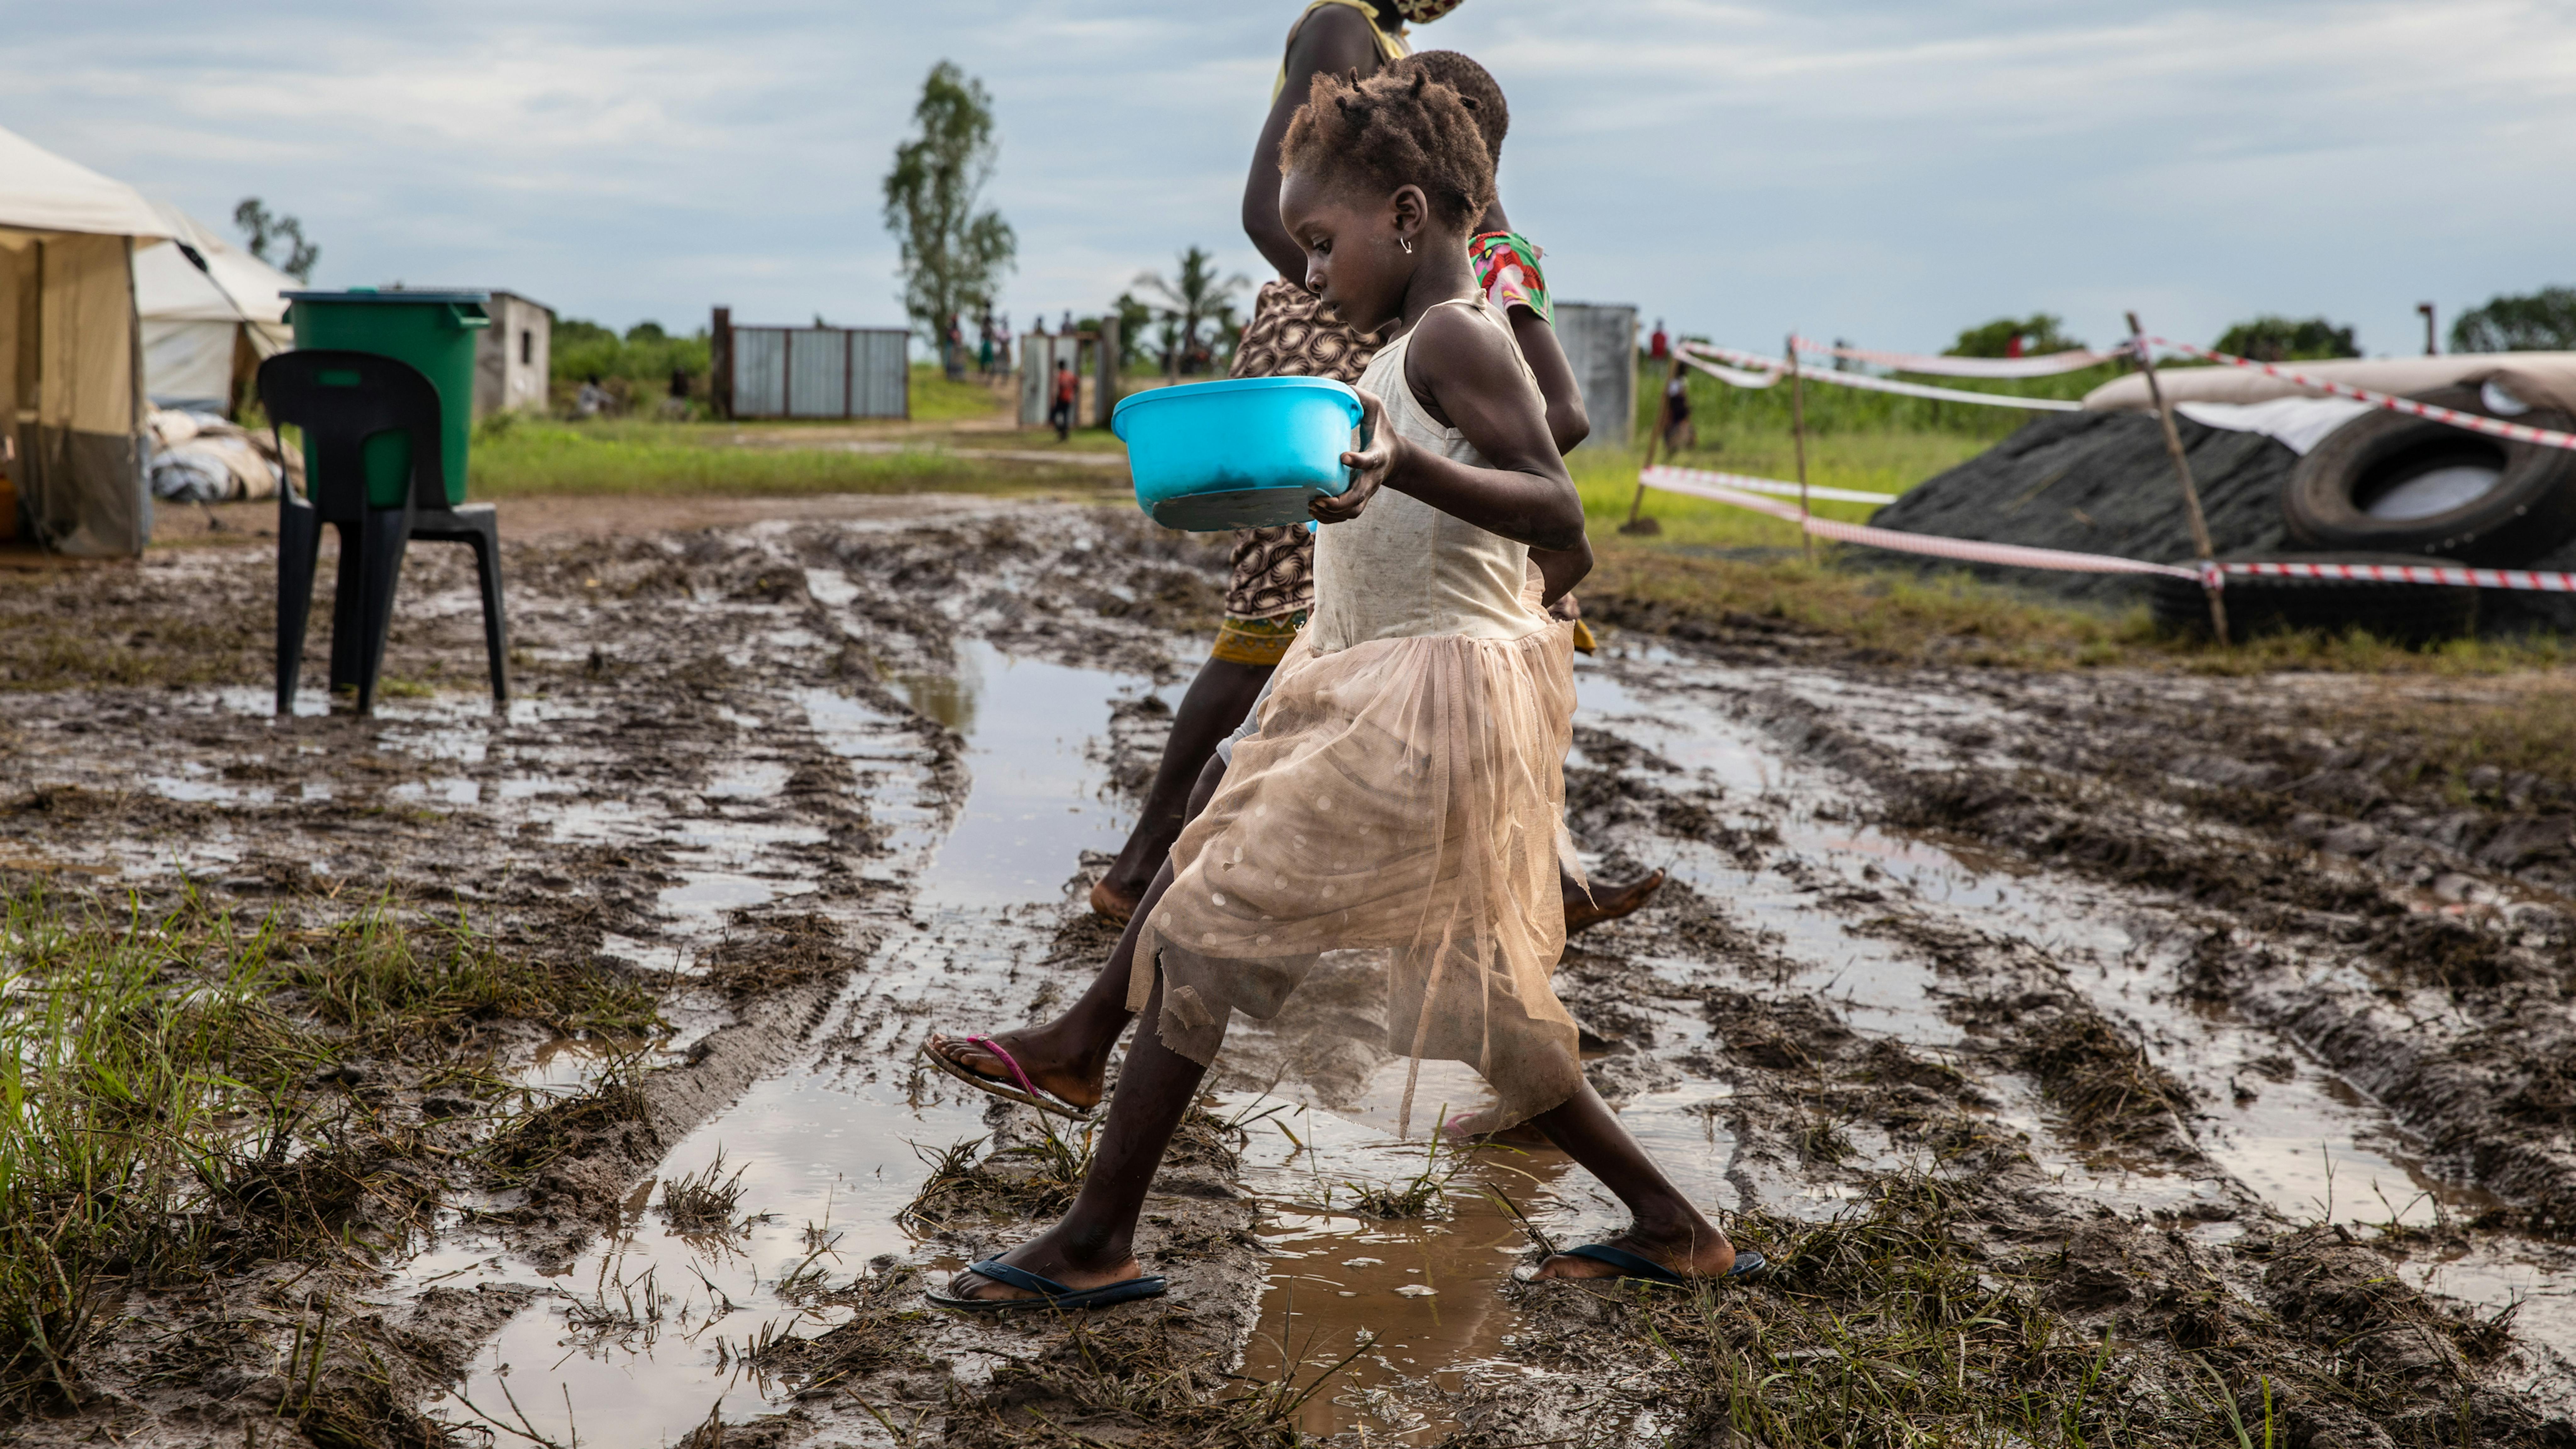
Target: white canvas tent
71	354
205	331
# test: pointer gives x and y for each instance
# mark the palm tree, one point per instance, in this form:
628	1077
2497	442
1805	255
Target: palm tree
1198	296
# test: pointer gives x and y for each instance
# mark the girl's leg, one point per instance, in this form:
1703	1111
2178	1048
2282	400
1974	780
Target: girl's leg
1069	1056
1094	1244
1216	703
1668	1229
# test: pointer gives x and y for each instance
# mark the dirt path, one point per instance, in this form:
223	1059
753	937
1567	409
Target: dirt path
2099	1042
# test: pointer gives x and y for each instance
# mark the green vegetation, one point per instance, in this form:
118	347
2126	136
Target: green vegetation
645	357
2283	339
1193	298
526	457
938	399
184	1097
2544	321
953	255
2040	333
1901	617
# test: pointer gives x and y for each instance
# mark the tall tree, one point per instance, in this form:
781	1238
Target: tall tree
2039	333
953	255
265	230
1195	296
2288	339
2545	321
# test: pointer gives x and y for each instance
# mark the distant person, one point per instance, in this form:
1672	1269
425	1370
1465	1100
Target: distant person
1002	343
1067	389
680	383
1659	346
1067	330
1677	411
984	349
592	400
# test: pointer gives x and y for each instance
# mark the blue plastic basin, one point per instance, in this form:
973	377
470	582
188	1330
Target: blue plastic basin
1247	452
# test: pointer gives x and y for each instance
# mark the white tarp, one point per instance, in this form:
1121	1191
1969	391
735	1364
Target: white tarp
70	349
40	191
193	320
2545	378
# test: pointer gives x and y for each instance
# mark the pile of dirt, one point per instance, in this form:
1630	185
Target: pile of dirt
2099	483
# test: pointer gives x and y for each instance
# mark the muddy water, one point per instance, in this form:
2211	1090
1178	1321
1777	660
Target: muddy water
2294	1133
640	1339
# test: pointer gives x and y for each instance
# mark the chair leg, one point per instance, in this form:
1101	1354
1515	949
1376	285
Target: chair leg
382	538
485	536
347	588
299	543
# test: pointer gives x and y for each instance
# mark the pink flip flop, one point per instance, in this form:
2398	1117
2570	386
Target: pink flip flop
1029	1093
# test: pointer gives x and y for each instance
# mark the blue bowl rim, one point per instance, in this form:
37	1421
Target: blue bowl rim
1349	395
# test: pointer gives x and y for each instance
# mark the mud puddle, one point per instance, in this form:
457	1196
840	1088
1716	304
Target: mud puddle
643	1337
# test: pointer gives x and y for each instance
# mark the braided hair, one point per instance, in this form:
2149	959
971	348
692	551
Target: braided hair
1397	128
1477	90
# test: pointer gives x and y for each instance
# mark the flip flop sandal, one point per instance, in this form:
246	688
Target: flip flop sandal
1029	1093
1054	1294
1634	1269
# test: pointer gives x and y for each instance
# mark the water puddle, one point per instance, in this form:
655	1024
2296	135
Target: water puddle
642	1337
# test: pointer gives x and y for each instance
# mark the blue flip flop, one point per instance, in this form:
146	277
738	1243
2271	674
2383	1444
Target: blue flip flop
1634	1269
1054	1294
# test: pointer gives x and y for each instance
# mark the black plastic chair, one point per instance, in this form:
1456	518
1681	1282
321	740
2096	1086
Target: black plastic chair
341	399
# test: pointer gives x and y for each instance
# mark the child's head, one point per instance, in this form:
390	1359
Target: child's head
1375	175
1477	91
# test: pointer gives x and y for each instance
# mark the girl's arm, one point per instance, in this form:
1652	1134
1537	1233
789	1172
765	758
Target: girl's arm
1561	569
1467	374
1567	422
1332	40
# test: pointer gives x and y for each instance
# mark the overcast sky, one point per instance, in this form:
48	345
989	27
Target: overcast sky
1886	172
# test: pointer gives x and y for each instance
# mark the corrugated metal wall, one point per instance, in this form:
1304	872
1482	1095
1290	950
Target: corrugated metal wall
1600	342
820	372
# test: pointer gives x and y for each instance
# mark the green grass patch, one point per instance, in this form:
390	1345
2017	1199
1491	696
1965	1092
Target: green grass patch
172	1102
1657	586
937	400
530	457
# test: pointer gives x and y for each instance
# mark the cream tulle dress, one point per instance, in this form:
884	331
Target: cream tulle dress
1403	793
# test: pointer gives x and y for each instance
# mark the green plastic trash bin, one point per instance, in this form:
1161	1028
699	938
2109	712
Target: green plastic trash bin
434	332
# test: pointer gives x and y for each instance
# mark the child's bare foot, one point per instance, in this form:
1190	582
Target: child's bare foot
1067	1077
1703	1260
1113	904
1606	903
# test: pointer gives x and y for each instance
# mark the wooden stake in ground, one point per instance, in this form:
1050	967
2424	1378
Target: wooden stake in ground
1798	439
1637	505
2182	470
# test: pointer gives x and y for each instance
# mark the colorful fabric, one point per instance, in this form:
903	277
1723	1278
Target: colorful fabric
1507	272
1261	643
1291	334
1423	12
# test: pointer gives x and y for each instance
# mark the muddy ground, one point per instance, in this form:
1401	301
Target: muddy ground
2102	1058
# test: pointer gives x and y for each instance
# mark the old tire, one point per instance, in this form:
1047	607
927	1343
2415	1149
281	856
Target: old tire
2391	483
2410	614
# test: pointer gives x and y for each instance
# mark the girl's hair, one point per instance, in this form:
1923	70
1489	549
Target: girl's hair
1397	128
1476	89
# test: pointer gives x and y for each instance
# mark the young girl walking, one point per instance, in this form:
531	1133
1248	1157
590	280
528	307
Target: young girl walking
1403	789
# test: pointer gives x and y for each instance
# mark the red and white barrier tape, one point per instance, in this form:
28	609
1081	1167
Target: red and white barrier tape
2494	427
1691	482
1676	480
2409	574
1730	376
1879	384
1778	487
2048	365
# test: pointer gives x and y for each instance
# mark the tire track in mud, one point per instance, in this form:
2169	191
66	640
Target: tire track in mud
1980	1031
2071	1098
